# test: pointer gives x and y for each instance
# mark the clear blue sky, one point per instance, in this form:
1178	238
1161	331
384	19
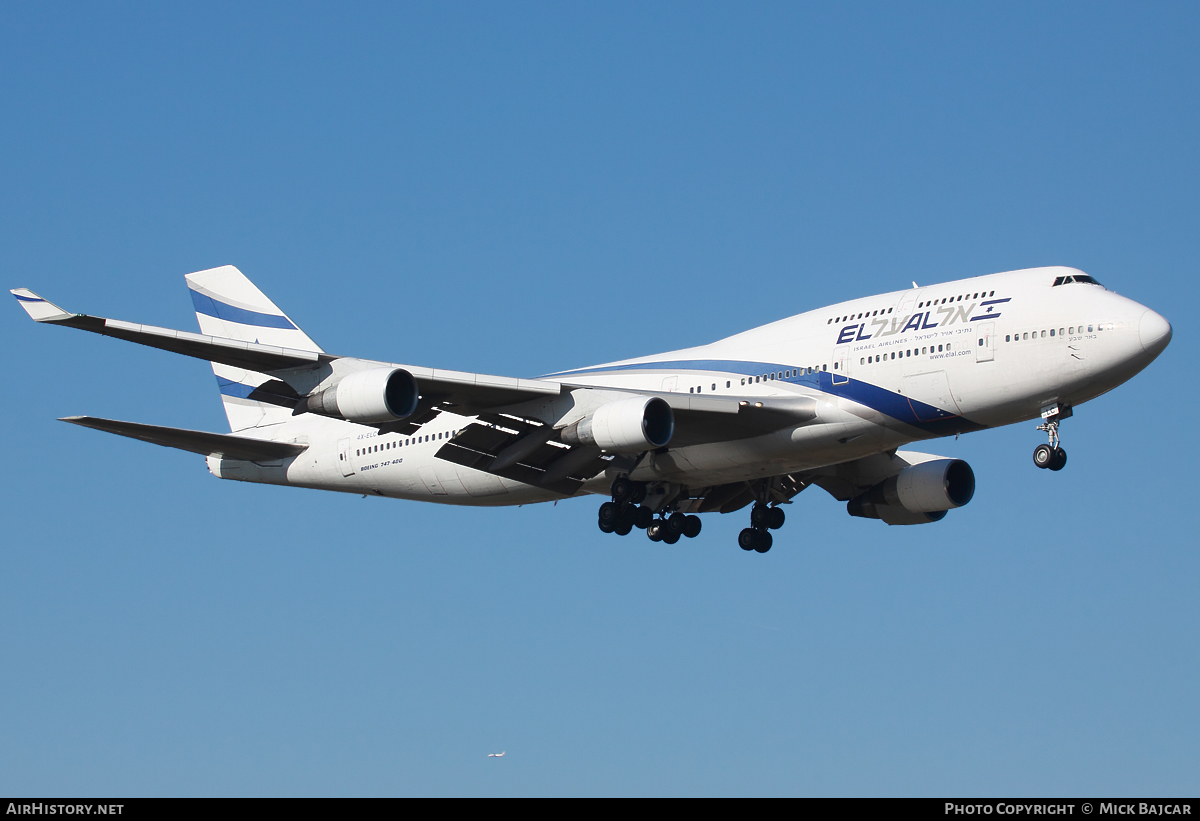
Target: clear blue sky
521	188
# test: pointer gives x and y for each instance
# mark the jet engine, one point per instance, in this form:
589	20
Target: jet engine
628	425
918	494
377	395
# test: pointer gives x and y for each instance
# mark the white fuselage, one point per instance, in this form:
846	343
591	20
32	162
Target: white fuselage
885	371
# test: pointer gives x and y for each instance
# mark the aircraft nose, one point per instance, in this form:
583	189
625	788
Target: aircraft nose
1154	332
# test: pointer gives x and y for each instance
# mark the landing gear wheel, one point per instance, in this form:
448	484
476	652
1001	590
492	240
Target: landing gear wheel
691	526
1051	455
746	539
669	537
639	493
763	541
1043	456
675	524
606	527
775	517
622	489
759	515
644	518
610	514
655	532
623	529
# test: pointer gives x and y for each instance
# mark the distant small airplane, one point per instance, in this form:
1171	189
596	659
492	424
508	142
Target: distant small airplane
496	755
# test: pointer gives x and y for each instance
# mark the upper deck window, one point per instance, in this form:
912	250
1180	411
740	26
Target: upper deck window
1077	278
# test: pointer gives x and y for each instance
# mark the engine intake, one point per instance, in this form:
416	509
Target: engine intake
628	425
918	494
377	395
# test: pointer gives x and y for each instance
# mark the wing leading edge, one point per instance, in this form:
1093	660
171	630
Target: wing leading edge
453	389
247	355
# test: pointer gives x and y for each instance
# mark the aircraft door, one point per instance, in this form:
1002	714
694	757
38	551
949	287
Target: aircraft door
344	460
841	362
670	383
931	394
984	344
429	477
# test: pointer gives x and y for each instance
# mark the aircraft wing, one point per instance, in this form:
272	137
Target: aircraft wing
223	445
527	451
699	419
521	450
843	481
247	355
457	390
849	479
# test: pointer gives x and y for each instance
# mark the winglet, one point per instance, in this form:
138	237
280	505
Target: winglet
39	309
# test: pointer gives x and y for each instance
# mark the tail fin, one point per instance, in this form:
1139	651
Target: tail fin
230	306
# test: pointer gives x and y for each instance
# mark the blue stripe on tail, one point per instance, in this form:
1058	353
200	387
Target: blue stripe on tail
212	307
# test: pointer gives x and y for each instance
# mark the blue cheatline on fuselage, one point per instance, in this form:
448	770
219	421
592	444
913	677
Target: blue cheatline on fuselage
920	415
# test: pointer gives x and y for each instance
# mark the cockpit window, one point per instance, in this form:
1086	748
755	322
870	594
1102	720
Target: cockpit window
1076	278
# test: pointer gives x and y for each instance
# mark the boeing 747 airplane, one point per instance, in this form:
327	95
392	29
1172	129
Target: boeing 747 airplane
825	398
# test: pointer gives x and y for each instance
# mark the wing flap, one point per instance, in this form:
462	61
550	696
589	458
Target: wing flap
223	445
553	466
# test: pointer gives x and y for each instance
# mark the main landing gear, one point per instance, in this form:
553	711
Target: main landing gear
1051	456
625	512
763	519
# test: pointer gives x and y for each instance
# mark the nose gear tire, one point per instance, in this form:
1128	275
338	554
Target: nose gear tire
1043	456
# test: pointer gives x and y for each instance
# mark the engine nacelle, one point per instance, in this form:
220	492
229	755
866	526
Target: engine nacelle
891	514
918	494
377	395
627	425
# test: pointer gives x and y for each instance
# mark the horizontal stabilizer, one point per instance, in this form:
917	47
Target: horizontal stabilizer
223	445
246	355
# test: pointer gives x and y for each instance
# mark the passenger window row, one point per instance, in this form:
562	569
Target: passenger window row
849	317
905	354
790	373
1069	330
391	444
960	298
926	304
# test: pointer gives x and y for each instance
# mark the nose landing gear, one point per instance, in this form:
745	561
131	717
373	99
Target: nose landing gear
1051	456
